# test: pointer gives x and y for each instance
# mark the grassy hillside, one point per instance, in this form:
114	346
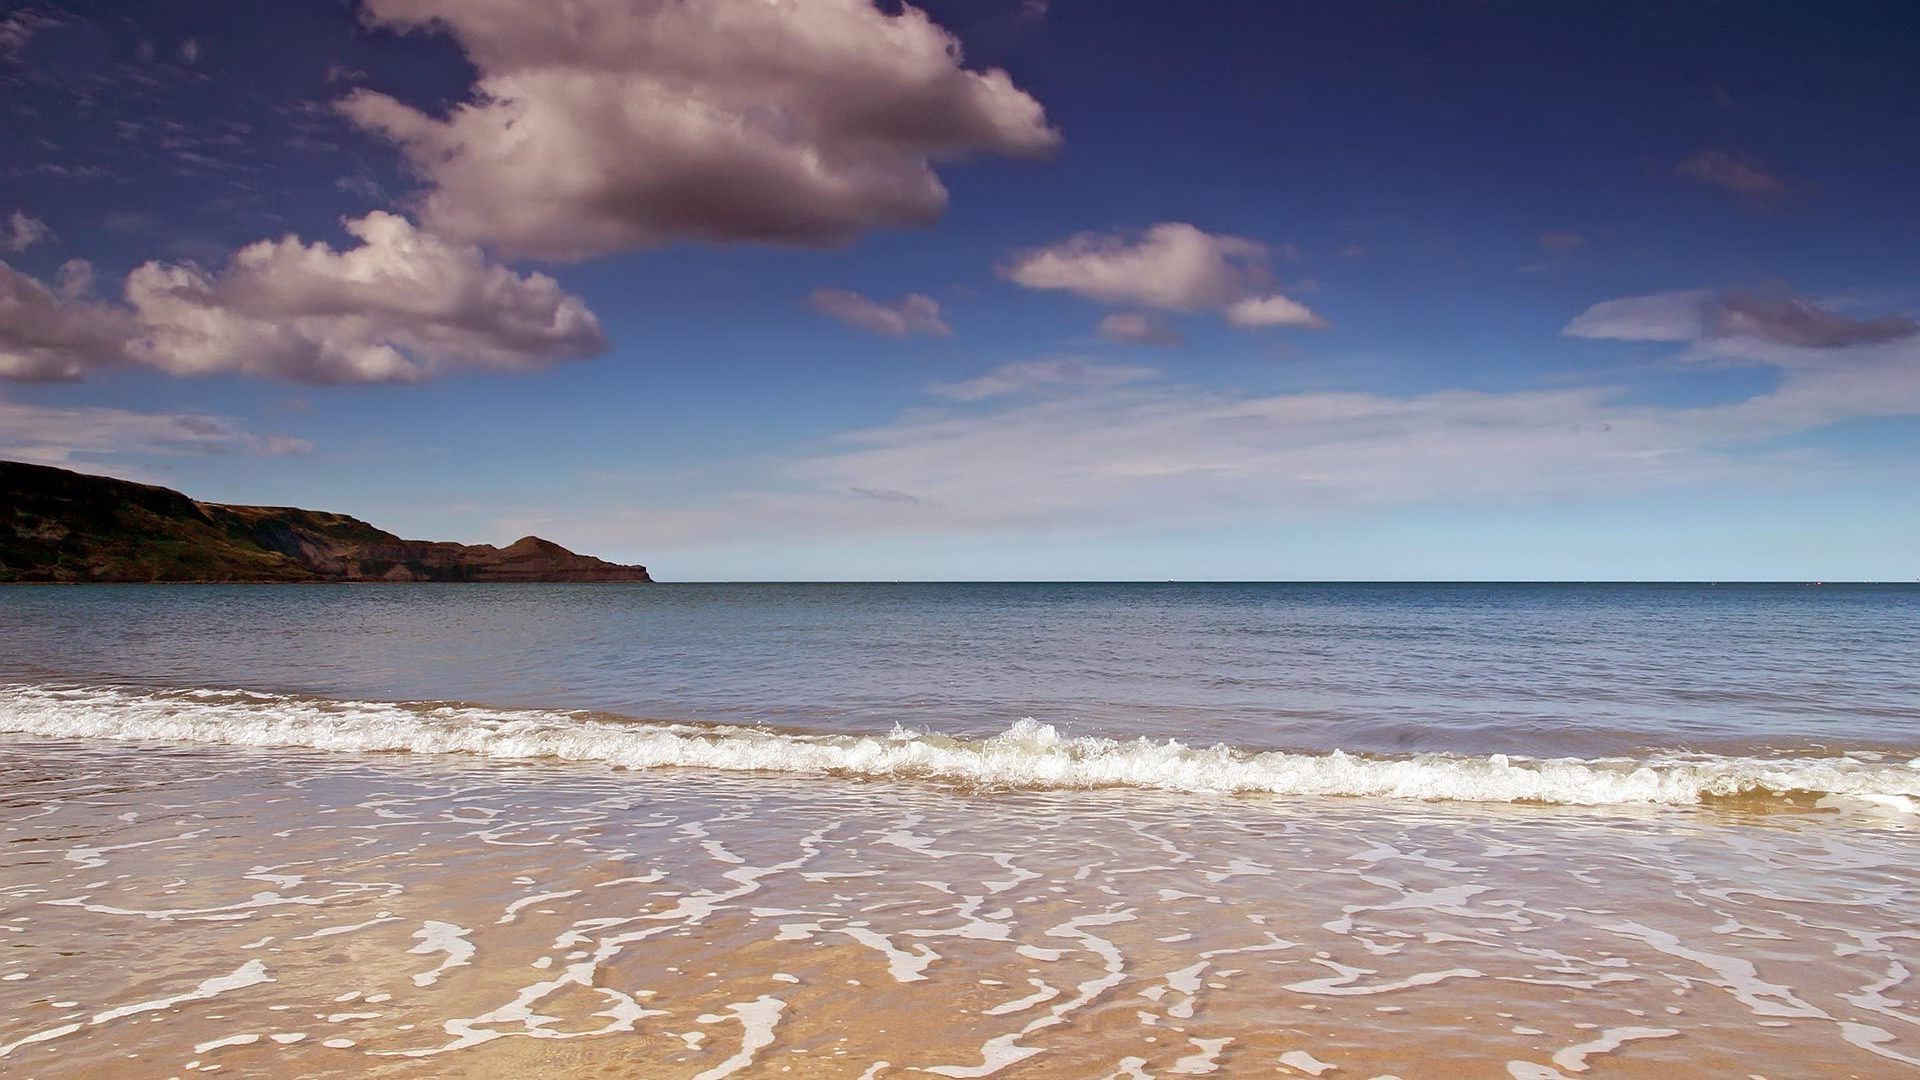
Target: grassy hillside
57	525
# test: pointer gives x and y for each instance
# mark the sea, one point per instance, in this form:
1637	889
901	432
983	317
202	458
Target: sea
969	829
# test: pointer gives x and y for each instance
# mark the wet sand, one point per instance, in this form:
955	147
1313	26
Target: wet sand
170	911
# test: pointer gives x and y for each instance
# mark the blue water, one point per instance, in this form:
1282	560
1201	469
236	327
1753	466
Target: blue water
1388	668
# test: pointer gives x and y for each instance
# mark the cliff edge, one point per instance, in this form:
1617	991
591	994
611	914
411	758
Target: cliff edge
57	525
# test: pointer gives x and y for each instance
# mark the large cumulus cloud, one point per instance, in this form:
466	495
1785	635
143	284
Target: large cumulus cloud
608	125
49	334
399	306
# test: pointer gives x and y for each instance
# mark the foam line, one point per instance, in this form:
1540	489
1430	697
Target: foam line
1030	754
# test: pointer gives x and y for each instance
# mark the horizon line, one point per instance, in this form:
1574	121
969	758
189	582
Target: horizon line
1809	582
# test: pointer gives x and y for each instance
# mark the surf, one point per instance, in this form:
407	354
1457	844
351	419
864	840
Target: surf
1028	755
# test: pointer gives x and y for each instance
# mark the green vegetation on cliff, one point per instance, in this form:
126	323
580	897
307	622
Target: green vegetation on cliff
57	525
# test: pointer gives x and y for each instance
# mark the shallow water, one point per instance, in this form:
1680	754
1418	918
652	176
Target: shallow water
706	831
185	910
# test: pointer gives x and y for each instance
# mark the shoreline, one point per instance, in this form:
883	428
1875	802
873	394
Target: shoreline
1027	756
337	913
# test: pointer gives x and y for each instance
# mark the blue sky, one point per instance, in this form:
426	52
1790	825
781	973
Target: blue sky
820	289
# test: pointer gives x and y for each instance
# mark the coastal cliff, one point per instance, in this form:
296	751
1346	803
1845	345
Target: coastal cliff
62	526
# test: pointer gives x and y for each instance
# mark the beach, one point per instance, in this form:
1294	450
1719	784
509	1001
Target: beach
178	911
273	881
1014	539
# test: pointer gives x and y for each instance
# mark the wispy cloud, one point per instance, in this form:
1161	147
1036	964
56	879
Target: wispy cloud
19	28
1700	315
1048	375
21	231
1798	322
911	314
1066	446
1733	174
1134	328
57	435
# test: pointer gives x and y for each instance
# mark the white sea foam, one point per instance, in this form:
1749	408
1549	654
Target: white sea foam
1028	755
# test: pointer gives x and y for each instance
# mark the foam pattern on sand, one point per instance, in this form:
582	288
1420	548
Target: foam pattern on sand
1029	755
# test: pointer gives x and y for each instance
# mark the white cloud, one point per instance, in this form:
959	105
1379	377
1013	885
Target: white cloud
623	125
21	231
1137	456
1797	321
1067	447
56	435
911	314
1134	328
1055	374
1765	318
74	279
1732	174
1126	456
54	335
19	28
400	306
1666	316
1172	266
1257	311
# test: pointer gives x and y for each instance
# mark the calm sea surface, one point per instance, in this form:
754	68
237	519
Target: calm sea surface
1384	668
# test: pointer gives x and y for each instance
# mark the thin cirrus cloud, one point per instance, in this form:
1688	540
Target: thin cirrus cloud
1171	266
60	435
1560	246
1140	454
1069	447
911	314
627	126
1135	328
1733	174
400	306
1758	318
19	28
1054	374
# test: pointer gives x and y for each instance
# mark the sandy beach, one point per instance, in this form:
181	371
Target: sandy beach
178	911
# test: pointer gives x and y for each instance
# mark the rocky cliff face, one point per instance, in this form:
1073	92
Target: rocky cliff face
57	525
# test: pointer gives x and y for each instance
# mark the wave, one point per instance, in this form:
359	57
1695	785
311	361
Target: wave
1029	755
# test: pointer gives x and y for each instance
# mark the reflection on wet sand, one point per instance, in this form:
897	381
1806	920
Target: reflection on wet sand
185	911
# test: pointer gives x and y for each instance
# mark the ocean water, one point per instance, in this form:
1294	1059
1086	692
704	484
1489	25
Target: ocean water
966	830
1232	686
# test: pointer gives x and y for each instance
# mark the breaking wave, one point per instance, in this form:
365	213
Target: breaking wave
1029	755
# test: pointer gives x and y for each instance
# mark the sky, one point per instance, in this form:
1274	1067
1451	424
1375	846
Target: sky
988	289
